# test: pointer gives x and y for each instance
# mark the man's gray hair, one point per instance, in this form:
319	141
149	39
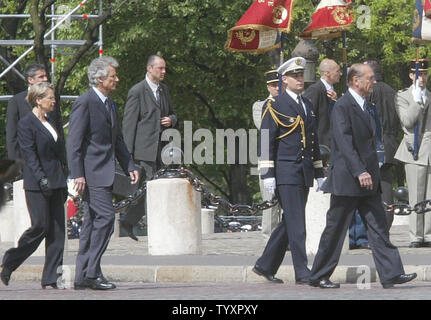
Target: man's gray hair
99	68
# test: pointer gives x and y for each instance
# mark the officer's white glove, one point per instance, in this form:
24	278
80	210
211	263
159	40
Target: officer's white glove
417	93
269	185
380	164
320	182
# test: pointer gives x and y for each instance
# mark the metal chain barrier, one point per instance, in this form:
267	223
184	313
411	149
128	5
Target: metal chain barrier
212	200
403	209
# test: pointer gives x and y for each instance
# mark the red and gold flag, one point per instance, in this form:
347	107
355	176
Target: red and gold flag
258	29
329	19
427	8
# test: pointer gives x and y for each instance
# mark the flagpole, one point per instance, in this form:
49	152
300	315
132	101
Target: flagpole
282	39
343	33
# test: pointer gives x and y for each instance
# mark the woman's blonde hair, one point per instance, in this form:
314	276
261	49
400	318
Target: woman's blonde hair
38	91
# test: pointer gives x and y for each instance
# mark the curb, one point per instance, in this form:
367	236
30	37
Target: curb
221	274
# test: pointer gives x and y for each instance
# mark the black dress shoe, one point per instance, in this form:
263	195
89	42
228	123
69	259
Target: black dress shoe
403	278
267	276
52	285
427	244
302	281
5	276
99	284
129	229
105	281
324	284
415	244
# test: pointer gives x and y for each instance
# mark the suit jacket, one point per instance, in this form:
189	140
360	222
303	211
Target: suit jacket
141	120
383	96
316	93
353	149
17	108
44	157
94	141
410	112
287	159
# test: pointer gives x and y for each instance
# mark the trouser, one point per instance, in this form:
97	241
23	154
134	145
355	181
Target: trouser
47	222
96	232
419	184
136	212
357	230
386	256
290	231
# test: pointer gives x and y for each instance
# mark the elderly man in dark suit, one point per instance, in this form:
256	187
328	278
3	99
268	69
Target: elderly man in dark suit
94	141
18	107
147	113
289	161
354	183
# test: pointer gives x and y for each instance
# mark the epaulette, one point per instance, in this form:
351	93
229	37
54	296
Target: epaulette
402	90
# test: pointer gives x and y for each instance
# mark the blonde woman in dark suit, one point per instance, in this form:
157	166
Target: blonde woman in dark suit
44	185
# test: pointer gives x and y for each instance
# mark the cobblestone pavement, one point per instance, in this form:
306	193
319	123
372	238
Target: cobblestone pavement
24	290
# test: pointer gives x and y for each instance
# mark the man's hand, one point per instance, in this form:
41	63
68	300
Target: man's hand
366	181
331	94
269	185
134	176
320	182
79	184
166	122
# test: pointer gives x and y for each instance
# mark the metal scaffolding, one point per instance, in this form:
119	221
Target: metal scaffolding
56	21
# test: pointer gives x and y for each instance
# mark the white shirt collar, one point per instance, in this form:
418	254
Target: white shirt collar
292	94
326	84
100	94
357	98
152	85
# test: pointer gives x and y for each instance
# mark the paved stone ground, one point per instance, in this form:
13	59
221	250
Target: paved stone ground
24	290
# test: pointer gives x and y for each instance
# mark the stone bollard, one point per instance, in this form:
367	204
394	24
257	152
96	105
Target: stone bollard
207	217
315	220
173	217
7	226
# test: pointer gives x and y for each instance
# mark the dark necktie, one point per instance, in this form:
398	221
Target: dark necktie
301	103
158	94
108	107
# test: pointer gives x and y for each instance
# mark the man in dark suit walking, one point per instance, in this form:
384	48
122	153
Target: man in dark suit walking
147	113
93	143
354	183
289	161
18	107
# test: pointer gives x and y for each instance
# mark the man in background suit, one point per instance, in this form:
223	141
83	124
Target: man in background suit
323	96
270	217
147	114
354	183
93	143
413	106
383	97
18	107
289	161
